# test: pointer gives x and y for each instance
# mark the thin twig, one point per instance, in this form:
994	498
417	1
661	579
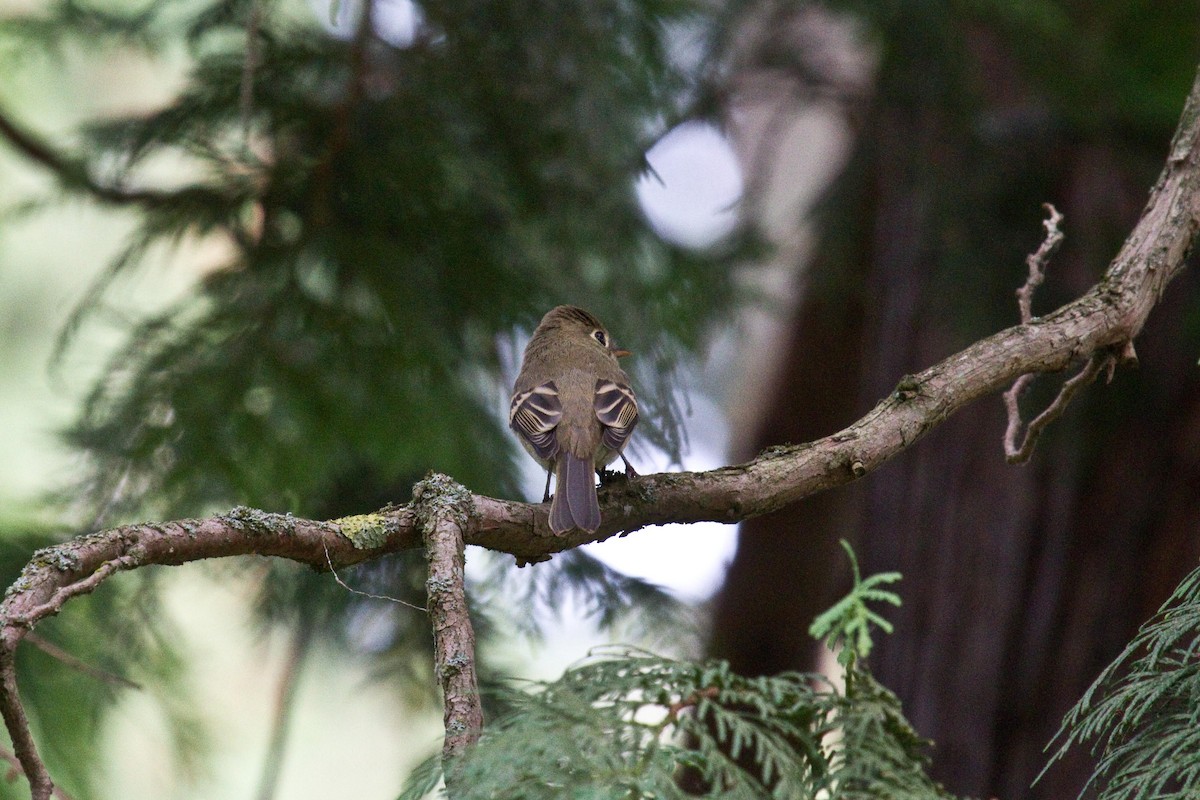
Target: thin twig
1018	454
1013	411
1036	262
16	769
56	652
17	626
74	589
352	590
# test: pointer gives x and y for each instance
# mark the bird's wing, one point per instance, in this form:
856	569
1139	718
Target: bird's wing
534	414
616	408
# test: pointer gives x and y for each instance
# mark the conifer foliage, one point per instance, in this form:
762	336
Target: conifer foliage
383	218
390	213
625	724
387	211
1142	715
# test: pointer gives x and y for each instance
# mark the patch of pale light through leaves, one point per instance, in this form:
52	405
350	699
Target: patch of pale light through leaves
397	22
692	192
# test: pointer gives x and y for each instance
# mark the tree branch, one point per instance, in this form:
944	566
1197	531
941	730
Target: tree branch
73	173
54	651
1105	319
17	722
443	510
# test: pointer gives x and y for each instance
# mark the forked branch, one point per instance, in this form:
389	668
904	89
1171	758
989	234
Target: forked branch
1101	322
1036	262
1017	454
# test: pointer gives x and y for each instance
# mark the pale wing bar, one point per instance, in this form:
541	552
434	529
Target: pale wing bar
616	408
534	415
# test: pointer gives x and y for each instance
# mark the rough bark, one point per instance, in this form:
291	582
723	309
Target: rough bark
442	508
1106	318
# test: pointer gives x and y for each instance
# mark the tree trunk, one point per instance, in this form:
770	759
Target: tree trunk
1021	582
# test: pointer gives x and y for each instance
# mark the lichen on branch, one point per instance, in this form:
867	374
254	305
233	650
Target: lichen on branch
1104	320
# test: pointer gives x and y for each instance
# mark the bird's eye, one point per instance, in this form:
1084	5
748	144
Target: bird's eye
600	337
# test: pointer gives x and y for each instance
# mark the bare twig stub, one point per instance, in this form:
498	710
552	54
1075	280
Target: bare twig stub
1103	321
1037	261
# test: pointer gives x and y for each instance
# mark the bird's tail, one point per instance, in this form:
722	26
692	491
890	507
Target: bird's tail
575	504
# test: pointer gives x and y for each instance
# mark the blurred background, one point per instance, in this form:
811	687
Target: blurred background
286	254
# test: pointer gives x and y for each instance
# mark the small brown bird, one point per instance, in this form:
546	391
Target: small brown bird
573	410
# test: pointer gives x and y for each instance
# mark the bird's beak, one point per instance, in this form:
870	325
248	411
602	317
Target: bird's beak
619	353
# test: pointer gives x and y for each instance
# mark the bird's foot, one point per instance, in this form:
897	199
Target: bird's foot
630	472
